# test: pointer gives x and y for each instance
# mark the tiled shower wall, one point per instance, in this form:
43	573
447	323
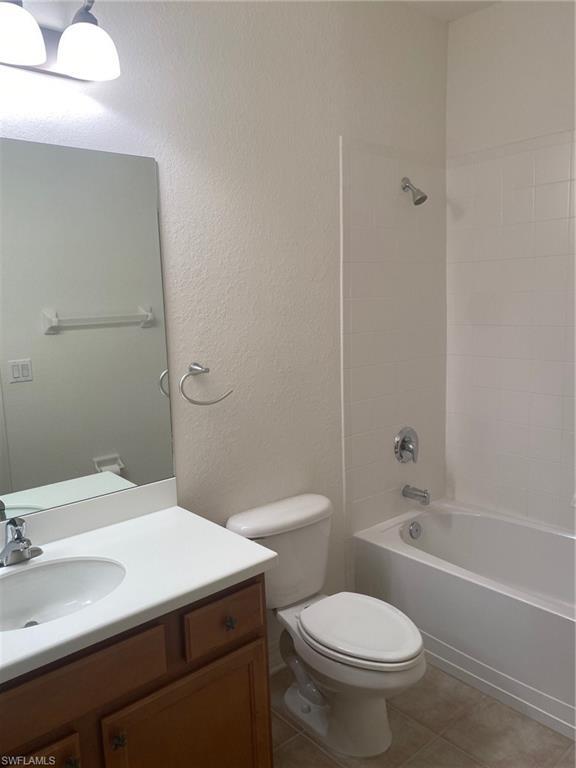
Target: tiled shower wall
510	372
394	288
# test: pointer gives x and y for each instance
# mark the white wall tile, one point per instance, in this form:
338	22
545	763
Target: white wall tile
371	243
369	381
374	347
546	411
374	414
553	164
550	307
518	171
394	323
552	201
549	343
510	366
518	206
362	315
552	238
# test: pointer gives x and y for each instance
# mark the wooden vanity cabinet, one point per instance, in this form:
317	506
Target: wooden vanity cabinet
64	753
210	719
189	690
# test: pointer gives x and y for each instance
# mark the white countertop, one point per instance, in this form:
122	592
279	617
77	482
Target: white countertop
172	558
65	492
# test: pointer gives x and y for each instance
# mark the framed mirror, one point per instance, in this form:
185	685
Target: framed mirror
82	329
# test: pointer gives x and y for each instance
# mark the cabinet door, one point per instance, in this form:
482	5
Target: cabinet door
217	717
61	754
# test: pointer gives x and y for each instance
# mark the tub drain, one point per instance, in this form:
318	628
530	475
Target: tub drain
415	530
31	624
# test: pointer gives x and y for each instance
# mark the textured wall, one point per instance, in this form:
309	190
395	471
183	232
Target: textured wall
510	394
242	105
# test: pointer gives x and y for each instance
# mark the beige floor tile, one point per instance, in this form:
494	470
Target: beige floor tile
568	760
502	738
440	754
437	700
407	738
281	731
301	753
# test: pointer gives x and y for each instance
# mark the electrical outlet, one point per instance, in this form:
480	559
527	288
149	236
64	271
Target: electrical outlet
20	371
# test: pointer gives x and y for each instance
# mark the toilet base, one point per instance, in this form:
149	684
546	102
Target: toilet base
346	725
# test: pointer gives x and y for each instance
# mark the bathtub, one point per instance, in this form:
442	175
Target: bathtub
493	597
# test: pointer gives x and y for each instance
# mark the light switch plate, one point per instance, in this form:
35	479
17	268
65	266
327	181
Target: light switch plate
20	371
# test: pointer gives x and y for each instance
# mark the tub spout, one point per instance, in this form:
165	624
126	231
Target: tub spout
418	494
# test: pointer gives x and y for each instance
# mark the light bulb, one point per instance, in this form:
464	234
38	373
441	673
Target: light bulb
87	52
21	40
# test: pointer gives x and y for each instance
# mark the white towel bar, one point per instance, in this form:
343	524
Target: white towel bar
53	323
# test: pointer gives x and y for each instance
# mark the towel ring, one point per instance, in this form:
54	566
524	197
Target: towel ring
161	383
195	369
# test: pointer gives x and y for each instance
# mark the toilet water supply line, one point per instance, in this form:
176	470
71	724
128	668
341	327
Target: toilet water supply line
305	683
306	686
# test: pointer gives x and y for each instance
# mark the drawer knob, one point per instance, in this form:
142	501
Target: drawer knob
120	741
230	622
72	762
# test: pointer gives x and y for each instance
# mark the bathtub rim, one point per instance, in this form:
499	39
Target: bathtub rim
388	534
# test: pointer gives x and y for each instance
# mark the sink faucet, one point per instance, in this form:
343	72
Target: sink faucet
17	548
418	494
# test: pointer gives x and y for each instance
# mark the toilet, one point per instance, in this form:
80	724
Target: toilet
348	652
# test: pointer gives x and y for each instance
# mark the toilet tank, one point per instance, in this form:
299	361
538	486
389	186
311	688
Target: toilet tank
298	530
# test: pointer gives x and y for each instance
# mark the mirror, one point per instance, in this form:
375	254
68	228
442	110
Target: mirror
82	332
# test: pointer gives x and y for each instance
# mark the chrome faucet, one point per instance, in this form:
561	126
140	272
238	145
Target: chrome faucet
17	548
418	494
406	445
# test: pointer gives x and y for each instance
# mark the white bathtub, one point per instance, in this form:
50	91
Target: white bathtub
492	596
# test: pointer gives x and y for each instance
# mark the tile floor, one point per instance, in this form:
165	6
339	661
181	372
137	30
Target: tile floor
440	723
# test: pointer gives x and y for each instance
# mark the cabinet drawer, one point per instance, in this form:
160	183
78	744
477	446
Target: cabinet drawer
63	695
224	622
60	754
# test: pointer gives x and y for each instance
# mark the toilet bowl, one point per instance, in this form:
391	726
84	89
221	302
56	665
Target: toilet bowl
348	652
356	680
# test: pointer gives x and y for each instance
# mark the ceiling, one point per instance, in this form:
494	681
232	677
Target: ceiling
449	10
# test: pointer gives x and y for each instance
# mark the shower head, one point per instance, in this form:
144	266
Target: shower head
418	197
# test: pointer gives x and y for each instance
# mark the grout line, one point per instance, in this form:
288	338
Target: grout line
421	749
325	751
285	743
563	755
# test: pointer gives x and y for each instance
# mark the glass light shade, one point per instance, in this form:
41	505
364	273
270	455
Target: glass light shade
21	40
87	52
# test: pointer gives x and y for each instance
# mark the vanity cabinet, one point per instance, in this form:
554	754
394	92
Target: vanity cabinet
188	690
64	752
210	719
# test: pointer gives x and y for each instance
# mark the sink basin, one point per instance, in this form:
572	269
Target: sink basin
44	592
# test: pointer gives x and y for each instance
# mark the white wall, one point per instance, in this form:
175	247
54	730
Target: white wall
510	74
394	327
510	394
243	104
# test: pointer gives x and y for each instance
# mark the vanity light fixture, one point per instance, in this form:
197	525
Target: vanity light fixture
21	41
85	50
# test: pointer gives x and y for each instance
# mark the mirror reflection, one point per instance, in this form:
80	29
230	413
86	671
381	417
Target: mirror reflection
82	332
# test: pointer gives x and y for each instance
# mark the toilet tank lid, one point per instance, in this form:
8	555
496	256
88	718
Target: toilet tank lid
281	516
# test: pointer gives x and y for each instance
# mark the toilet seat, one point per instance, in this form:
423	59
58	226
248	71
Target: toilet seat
361	631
